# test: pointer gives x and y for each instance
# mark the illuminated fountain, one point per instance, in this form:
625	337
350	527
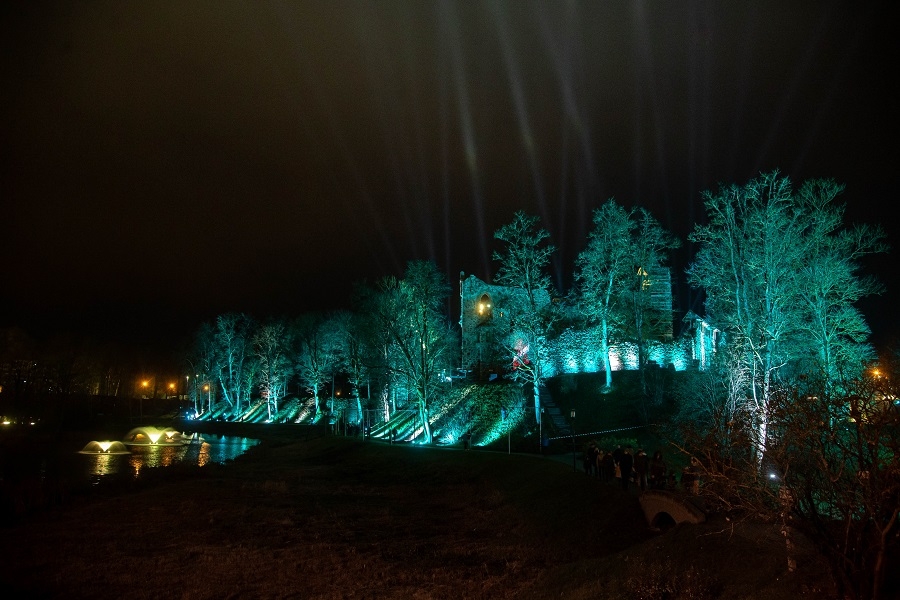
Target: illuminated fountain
152	436
95	447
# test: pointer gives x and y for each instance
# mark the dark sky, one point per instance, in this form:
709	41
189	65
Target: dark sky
163	162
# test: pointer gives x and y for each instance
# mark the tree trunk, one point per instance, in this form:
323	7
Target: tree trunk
426	426
604	348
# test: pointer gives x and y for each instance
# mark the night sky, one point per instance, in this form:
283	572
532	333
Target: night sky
164	162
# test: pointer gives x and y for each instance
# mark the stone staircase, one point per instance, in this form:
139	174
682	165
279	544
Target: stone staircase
558	422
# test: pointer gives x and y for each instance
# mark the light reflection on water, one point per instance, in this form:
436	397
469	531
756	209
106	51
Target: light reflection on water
201	451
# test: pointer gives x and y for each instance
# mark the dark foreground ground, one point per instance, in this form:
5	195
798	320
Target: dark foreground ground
341	518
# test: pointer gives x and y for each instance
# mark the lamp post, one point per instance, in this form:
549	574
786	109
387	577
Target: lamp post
574	468
541	431
208	397
144	385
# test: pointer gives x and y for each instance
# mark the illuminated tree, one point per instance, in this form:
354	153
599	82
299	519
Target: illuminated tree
373	343
232	336
270	347
649	244
832	283
604	270
410	314
317	352
780	278
750	253
832	473
523	265
355	354
202	362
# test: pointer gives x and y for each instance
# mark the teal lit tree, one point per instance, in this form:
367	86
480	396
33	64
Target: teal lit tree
650	246
832	282
351	355
605	269
317	350
832	474
781	277
270	347
232	339
409	312
523	267
203	363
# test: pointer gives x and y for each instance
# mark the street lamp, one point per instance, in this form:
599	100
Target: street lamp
144	385
574	468
208	396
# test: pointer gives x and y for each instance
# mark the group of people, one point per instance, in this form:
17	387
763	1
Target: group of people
626	467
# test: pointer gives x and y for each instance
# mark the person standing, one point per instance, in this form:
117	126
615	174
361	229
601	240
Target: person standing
657	471
607	467
617	454
690	477
641	468
626	464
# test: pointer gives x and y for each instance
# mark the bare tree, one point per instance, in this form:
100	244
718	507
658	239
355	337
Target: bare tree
316	353
356	355
523	264
781	277
832	284
409	312
604	268
204	364
233	334
832	474
750	254
271	346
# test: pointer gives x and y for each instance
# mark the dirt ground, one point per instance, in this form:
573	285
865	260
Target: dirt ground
344	518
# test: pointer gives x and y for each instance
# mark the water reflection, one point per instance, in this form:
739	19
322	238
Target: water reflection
201	451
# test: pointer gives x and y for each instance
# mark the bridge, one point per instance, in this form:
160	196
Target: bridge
664	508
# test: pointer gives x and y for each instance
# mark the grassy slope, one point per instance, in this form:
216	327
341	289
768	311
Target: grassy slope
339	518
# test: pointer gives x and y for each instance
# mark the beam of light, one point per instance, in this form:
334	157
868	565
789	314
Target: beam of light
565	56
799	75
418	160
514	79
445	170
646	68
563	61
371	218
387	63
450	28
699	116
